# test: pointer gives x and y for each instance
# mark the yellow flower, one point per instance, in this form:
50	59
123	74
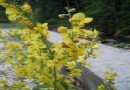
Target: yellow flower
41	28
101	87
95	32
20	84
44	78
1	1
62	29
26	7
3	81
88	33
76	40
24	89
76	72
86	63
95	47
57	47
5	5
85	43
110	75
71	65
80	19
12	13
74	20
46	88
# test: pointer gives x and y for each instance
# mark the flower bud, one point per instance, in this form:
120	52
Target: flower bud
85	43
95	47
61	16
26	7
72	10
67	8
62	29
76	40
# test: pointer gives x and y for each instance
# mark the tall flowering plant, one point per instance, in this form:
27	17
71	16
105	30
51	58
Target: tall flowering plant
50	65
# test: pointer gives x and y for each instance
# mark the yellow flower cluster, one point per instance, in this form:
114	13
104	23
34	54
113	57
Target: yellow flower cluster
80	19
53	64
27	8
109	84
110	76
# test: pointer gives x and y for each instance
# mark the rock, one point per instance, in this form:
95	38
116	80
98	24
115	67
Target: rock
109	41
118	34
89	79
2	73
127	37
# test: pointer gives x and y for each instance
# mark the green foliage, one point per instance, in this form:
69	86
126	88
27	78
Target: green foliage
112	15
107	86
43	9
41	86
11	25
109	16
124	15
122	45
110	77
102	12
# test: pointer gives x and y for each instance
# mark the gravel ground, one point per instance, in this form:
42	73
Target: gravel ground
119	60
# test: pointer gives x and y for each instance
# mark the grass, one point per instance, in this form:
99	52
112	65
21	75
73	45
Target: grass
123	45
10	25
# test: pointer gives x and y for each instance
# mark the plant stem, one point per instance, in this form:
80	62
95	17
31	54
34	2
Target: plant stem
55	74
55	79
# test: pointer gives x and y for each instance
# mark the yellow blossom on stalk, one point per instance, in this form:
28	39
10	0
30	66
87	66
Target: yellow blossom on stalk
12	13
5	5
86	63
75	52
80	19
76	72
14	45
44	78
26	7
95	46
110	76
20	84
47	89
96	33
85	43
1	36
41	28
88	33
109	84
3	81
62	29
21	71
1	1
57	47
71	65
76	39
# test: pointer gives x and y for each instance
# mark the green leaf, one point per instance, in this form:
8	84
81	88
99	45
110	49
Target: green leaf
65	85
38	87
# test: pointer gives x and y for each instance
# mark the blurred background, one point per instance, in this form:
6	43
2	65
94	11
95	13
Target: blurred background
111	17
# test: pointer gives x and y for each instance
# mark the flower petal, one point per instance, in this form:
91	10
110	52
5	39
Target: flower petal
87	20
79	16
